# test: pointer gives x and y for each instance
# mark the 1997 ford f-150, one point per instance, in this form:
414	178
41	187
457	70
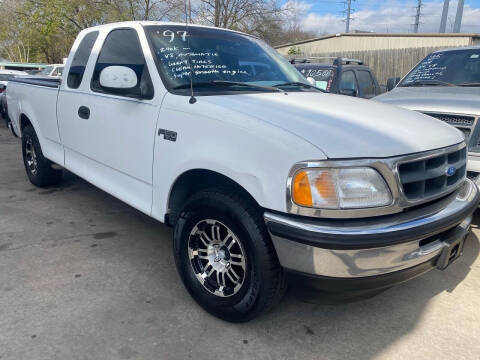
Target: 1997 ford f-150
260	173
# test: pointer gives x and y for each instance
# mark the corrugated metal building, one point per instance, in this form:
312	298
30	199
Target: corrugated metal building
387	54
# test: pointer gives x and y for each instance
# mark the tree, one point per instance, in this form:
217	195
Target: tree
44	30
240	15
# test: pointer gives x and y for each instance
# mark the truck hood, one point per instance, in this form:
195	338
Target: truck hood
440	99
340	126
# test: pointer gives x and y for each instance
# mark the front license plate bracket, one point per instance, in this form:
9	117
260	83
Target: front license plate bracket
453	248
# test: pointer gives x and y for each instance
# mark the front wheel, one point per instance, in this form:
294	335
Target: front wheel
225	256
39	169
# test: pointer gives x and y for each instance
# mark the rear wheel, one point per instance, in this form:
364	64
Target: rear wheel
39	169
225	256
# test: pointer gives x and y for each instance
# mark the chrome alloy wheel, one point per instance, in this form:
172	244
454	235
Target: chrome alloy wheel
217	258
31	156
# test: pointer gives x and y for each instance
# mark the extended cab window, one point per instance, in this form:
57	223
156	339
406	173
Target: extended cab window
366	84
348	81
122	48
80	59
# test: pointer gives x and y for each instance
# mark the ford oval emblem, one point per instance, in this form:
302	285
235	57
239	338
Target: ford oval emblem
451	170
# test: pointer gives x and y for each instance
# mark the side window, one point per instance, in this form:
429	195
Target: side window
122	48
80	59
348	81
366	84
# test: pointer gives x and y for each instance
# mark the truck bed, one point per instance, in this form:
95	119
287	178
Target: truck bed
37	97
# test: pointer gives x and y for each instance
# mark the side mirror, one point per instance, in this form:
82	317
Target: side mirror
312	81
392	82
118	77
349	92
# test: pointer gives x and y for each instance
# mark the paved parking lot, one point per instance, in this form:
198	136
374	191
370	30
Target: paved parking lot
84	276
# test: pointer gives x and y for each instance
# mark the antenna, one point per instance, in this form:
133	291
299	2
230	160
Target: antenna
192	100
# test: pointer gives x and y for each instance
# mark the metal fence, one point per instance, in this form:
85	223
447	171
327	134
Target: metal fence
385	63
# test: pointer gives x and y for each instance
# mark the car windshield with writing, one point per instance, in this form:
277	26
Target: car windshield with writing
447	68
323	77
217	61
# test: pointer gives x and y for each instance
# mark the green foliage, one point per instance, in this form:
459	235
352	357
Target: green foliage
294	50
44	30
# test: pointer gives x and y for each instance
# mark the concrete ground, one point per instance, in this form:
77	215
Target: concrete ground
84	276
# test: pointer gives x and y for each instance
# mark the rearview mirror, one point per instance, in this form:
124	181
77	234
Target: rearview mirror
392	82
349	92
312	81
118	77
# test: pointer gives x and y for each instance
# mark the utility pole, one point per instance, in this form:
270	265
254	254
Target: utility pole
443	22
348	18
417	17
458	18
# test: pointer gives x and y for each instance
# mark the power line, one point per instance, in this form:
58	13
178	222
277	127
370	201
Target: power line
443	22
348	12
417	17
458	18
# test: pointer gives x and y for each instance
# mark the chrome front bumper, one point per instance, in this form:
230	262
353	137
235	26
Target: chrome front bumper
358	249
473	164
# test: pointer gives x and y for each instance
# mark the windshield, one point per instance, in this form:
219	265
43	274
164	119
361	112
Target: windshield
458	67
323	77
218	56
46	71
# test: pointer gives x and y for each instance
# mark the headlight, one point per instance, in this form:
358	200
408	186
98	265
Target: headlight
344	188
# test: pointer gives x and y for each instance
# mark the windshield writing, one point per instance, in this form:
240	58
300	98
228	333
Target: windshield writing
206	55
460	67
323	77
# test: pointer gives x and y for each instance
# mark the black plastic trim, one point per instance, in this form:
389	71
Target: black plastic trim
51	83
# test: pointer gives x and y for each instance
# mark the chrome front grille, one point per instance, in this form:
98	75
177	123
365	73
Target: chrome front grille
454	120
433	176
413	179
465	123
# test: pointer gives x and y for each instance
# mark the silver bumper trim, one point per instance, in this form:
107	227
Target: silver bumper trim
466	194
352	263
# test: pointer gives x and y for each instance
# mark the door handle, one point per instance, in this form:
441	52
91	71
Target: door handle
84	112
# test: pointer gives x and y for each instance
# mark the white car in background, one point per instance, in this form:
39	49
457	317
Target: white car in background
6	75
54	70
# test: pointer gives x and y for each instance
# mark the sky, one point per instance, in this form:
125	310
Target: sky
326	16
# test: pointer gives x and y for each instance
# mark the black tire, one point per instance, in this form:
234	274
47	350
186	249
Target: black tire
39	169
263	280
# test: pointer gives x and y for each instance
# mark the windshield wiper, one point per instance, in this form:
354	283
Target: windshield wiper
228	83
298	83
428	82
470	84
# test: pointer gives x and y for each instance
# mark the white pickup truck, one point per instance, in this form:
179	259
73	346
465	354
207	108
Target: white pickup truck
261	174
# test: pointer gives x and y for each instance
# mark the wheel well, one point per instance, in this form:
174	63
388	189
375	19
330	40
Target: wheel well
194	180
24	122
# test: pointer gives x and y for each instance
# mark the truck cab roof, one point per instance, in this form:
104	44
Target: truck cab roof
117	25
